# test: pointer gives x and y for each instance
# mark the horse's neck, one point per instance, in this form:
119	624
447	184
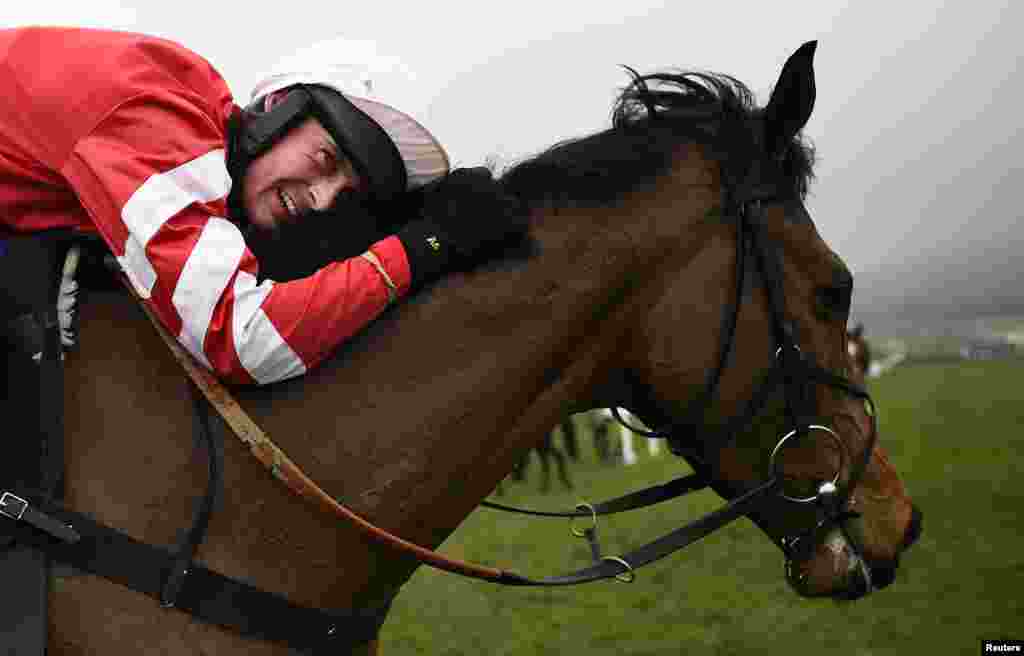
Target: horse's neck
440	397
479	358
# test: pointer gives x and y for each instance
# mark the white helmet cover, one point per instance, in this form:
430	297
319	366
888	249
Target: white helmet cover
380	86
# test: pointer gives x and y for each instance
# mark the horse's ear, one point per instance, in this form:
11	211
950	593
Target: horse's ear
792	99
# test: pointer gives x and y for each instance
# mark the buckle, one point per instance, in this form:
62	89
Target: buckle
9	501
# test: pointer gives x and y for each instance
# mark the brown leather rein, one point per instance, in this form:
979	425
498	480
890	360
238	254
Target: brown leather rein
284	469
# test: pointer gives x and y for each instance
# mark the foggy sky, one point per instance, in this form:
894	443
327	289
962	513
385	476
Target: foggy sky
917	120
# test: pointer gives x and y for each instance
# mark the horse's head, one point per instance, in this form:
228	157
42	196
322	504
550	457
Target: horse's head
741	351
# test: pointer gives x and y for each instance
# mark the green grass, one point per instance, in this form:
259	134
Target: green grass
1005	324
952	429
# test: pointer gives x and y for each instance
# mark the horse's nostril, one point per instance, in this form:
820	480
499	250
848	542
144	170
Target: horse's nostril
883	575
858	587
914	530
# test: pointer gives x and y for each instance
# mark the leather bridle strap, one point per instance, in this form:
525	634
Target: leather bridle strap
697	407
621	567
640	499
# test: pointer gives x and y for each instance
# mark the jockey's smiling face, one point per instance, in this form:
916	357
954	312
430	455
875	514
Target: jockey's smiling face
304	171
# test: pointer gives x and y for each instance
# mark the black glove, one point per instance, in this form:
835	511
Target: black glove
465	218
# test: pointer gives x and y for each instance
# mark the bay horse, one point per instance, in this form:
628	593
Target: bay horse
860	354
546	451
671	269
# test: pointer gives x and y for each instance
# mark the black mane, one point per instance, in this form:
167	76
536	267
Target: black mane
652	116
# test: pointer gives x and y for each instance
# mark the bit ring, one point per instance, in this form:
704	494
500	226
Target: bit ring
626	576
811	427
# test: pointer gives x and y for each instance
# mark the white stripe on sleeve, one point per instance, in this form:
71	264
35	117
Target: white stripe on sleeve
205	276
261	349
159	199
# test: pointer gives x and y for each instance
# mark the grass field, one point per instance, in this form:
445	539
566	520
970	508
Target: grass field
952	429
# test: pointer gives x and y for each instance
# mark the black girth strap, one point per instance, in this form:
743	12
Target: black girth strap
42	527
206	594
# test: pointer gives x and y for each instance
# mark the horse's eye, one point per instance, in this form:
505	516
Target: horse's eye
833	300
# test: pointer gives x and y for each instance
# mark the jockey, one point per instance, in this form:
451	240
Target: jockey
139	141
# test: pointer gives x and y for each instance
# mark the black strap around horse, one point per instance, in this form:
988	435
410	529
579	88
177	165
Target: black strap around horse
172	577
208	595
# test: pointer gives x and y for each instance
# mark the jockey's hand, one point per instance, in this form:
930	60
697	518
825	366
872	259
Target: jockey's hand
465	218
474	211
67	299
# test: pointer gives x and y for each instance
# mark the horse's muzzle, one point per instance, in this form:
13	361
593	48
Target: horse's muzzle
884	573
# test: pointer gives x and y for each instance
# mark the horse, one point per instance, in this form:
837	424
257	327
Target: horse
604	430
860	354
569	438
671	268
546	451
607	422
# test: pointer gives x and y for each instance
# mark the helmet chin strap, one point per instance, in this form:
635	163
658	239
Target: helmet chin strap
237	163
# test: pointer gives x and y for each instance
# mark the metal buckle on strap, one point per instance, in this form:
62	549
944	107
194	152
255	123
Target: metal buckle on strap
12	506
18	509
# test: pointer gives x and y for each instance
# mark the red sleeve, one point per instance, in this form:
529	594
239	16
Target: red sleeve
127	132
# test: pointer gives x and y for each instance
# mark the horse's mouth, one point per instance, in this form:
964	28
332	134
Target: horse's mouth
841	571
846	577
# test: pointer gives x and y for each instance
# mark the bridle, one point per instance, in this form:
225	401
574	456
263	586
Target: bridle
791	369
